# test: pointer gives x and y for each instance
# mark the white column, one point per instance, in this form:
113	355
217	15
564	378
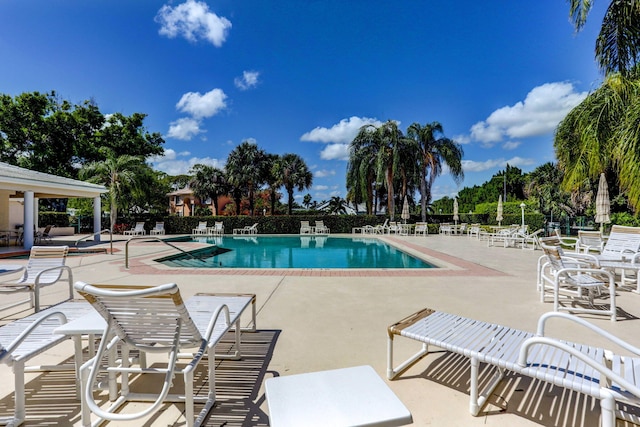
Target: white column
29	207
97	218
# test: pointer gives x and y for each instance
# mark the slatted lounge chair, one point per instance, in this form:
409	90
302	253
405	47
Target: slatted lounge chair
44	235
590	241
305	228
569	278
26	338
46	266
154	319
158	229
138	230
320	228
201	228
422	228
247	229
217	229
594	371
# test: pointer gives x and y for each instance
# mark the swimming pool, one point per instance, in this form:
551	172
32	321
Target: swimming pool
319	252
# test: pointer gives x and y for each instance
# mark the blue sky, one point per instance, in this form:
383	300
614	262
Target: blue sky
302	76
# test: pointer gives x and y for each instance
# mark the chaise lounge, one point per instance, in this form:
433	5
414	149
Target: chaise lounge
594	371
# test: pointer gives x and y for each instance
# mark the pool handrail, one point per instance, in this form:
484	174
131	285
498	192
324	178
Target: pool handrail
106	230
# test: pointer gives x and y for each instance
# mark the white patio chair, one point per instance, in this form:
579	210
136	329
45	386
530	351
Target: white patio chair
26	338
201	228
565	277
158	229
247	229
45	267
151	320
305	228
138	230
590	241
217	229
320	228
594	371
421	229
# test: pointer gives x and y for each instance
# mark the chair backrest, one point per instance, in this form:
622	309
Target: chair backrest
42	258
590	238
218	225
159	225
47	230
622	239
145	317
139	226
202	225
554	254
304	224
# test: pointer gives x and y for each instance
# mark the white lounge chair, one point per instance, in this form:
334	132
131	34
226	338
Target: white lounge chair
305	228
201	228
565	277
247	229
156	320
217	229
422	228
26	338
594	371
45	267
158	229
590	241
320	228
138	230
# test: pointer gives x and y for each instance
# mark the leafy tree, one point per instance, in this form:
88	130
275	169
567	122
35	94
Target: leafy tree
273	181
292	171
246	169
434	151
118	174
618	43
208	182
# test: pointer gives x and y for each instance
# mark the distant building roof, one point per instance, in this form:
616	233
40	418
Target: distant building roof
45	185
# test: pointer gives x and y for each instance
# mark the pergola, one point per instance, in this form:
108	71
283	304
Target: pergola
17	182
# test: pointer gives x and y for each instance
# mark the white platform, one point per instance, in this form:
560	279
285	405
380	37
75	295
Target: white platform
338	398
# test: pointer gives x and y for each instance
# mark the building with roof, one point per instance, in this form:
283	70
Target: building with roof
30	186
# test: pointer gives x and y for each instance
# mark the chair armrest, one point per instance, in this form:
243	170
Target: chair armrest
214	319
24	334
566	316
598	366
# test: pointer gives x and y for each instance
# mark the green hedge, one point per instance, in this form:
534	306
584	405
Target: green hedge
59	219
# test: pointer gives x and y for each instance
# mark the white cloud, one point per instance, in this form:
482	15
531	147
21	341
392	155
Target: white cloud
341	133
198	105
541	111
193	20
248	80
324	173
462	139
320	187
184	128
511	145
335	152
473	166
182	166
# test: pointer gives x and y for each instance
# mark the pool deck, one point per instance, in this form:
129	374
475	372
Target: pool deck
312	320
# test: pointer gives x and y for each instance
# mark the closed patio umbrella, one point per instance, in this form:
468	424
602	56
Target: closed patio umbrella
603	205
455	211
405	210
499	214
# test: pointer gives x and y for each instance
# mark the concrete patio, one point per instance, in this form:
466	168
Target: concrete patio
317	320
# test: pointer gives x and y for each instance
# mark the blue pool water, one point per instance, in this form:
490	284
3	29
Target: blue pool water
294	252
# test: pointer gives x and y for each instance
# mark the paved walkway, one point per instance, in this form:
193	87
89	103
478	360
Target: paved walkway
310	321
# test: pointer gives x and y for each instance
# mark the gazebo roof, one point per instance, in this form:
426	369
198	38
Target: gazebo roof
44	185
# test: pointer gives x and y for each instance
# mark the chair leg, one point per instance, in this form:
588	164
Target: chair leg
20	412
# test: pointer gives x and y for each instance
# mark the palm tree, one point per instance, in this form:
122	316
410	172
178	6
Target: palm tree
361	169
273	180
118	174
336	206
618	43
246	168
208	182
293	173
434	151
389	140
